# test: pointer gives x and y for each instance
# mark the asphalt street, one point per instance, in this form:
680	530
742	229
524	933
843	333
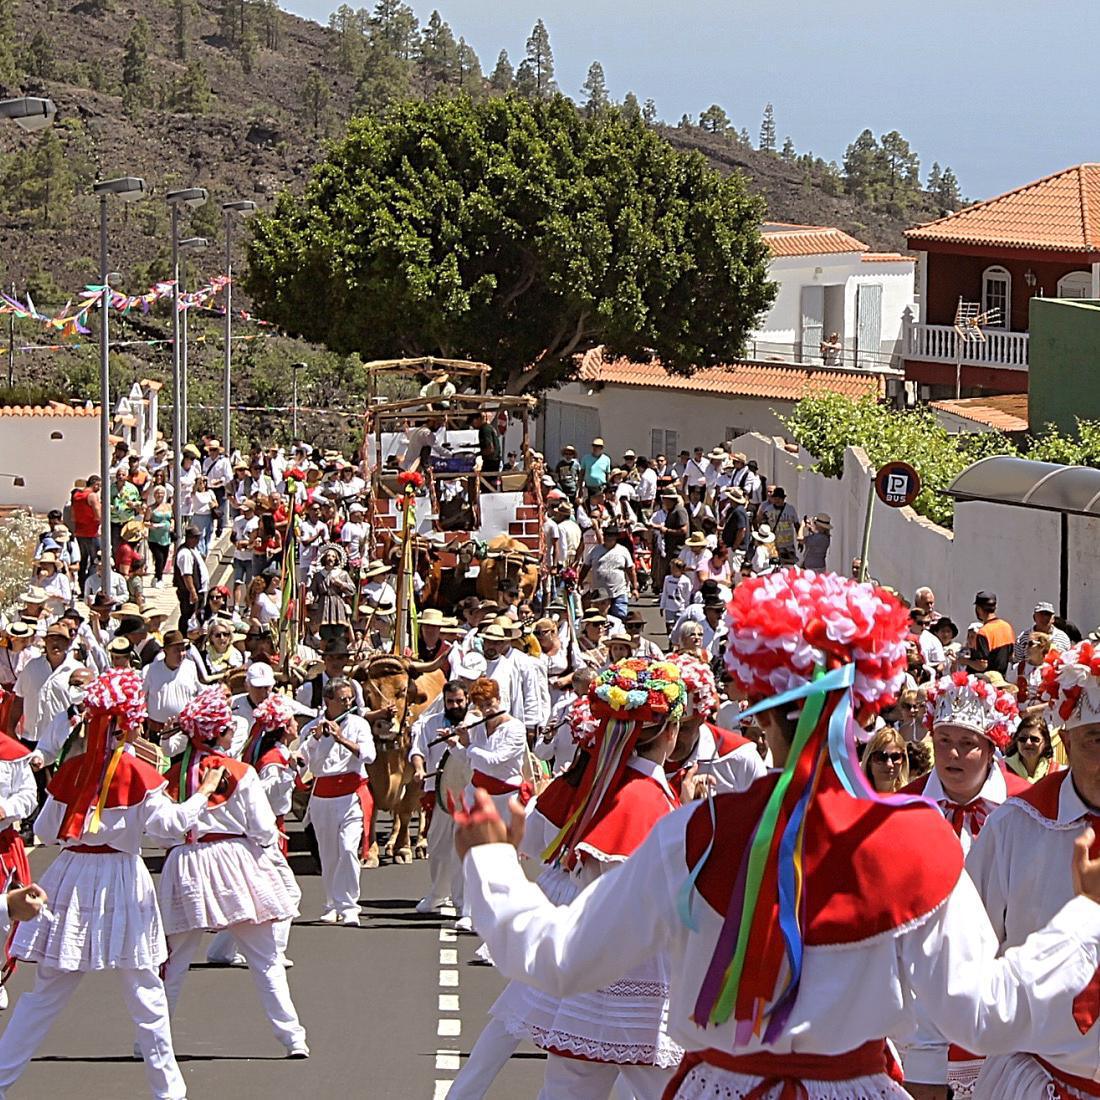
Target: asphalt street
370	999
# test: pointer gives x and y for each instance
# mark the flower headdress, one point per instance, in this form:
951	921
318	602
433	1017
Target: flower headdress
1069	683
974	704
699	680
583	724
203	719
835	648
626	698
276	712
113	702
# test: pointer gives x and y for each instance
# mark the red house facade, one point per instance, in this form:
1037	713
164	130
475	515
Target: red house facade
1042	239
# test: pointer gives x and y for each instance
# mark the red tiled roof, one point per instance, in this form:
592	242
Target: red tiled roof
54	408
1059	213
778	382
808	240
887	258
1004	412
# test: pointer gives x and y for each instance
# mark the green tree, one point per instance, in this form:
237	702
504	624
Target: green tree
135	66
315	95
183	14
901	167
649	112
350	44
594	90
9	65
471	79
788	153
935	176
383	79
438	60
98	78
395	28
948	194
714	120
503	75
52	182
864	170
270	24
744	137
246	49
686	123
514	232
526	83
541	59
631	108
39	56
192	93
232	20
767	130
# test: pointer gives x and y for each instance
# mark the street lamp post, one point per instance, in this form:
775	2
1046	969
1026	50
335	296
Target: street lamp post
188	244
242	207
126	189
295	368
188	196
29	112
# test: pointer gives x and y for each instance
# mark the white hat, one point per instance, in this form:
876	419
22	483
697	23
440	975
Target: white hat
260	675
974	704
764	534
1070	685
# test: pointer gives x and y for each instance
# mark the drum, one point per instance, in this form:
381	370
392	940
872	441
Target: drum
451	781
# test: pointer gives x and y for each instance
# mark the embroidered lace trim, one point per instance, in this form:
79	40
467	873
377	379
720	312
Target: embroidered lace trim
712	1083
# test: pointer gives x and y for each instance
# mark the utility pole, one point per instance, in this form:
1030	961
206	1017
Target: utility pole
11	344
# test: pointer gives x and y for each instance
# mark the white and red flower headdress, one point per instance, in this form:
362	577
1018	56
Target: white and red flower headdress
276	712
786	625
702	690
974	704
1069	683
206	716
583	724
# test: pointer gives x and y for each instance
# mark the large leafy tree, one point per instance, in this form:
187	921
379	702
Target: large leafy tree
517	233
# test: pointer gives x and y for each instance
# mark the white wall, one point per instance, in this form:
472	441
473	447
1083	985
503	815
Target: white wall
628	415
1011	551
49	466
896	280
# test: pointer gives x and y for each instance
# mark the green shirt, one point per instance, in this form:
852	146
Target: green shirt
125	503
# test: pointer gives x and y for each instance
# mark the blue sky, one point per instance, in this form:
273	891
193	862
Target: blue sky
1002	90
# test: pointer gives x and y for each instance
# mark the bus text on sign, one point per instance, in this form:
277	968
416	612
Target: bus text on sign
897	484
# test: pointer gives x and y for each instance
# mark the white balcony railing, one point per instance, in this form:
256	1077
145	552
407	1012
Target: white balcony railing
938	343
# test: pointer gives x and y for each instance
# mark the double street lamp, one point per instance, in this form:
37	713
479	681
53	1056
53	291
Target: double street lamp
124	189
188	244
229	209
29	112
191	197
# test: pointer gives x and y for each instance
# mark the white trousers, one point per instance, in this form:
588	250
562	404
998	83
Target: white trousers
145	997
573	1079
257	943
1012	1077
338	825
224	946
488	1057
443	865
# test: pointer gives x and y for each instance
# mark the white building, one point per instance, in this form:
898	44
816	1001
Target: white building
830	283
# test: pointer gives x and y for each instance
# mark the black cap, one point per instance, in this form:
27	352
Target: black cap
986	599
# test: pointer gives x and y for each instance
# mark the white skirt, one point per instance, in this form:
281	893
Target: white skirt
105	916
712	1083
225	882
625	1023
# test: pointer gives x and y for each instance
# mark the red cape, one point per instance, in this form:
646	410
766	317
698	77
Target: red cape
869	868
235	771
10	749
132	782
628	815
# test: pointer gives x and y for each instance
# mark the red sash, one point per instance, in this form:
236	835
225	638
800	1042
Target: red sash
1066	1085
491	785
92	849
284	840
787	1071
13	861
334	786
7	699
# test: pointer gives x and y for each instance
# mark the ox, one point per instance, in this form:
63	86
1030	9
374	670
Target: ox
407	686
507	559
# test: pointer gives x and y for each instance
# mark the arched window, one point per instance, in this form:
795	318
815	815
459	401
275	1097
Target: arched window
997	295
1077	284
56	435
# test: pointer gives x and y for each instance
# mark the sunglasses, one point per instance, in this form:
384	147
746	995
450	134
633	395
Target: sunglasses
881	757
220	634
545	630
1029	740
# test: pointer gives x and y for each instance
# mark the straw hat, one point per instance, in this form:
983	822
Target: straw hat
494	633
764	534
34	594
698	541
824	521
619	636
48	558
132	531
376	568
432	616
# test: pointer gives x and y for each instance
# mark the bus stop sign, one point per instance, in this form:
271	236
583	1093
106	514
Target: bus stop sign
897	484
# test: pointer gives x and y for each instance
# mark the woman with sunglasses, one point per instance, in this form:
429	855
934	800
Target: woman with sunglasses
885	761
218	652
1032	755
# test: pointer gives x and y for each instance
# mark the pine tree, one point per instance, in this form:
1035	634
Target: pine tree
714	120
744	137
349	38
135	66
526	82
864	170
595	91
767	130
192	94
503	75
383	79
9	66
902	168
52	177
541	59
183	12
438	59
686	123
468	68
631	108
395	28
269	23
649	112
949	196
246	49
315	95
934	178
788	153
231	20
98	80
39	59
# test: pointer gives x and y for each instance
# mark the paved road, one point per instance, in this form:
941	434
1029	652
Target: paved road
369	998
